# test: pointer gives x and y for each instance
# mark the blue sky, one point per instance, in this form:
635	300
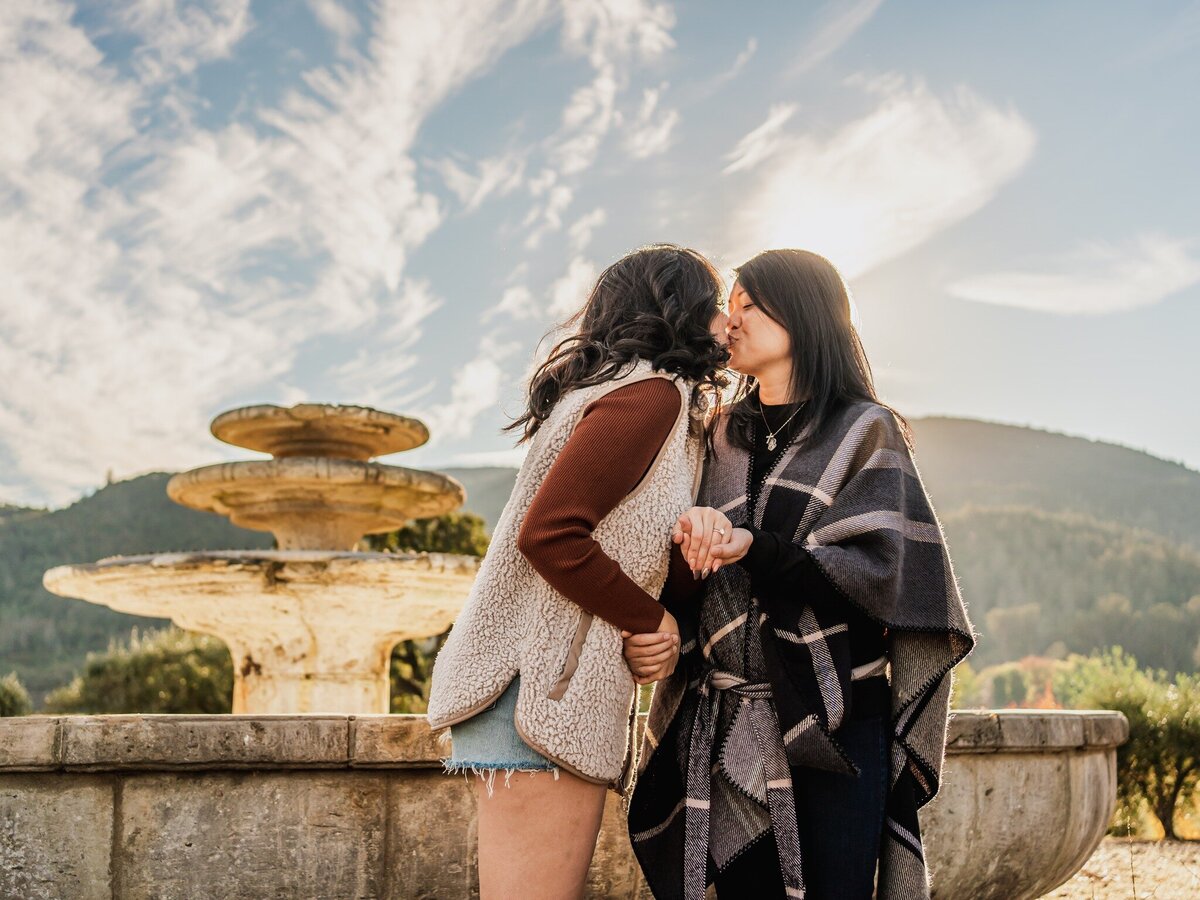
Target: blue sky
206	205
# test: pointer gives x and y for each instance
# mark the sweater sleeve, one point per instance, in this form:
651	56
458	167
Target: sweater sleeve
612	447
682	587
773	561
778	567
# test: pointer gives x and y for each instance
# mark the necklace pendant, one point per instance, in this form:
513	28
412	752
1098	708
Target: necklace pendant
771	442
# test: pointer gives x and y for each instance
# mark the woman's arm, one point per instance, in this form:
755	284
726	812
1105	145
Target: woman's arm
611	449
773	561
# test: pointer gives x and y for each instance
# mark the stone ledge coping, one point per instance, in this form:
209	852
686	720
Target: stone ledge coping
257	556
167	742
1034	730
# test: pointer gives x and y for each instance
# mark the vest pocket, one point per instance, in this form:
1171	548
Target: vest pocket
571	663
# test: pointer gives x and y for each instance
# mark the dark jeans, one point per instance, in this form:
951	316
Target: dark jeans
841	826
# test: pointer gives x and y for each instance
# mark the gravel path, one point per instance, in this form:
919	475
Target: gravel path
1163	870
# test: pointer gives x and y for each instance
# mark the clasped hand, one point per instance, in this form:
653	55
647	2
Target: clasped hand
708	541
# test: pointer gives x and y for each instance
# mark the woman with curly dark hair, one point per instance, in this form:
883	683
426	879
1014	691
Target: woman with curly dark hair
786	754
532	676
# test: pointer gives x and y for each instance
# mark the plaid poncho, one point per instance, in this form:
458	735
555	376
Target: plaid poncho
763	682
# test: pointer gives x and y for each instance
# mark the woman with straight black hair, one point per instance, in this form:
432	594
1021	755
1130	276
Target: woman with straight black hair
789	748
532	678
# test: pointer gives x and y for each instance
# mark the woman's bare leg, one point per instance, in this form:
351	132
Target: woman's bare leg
537	835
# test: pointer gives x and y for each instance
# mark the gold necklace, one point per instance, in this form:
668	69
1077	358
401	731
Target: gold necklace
771	442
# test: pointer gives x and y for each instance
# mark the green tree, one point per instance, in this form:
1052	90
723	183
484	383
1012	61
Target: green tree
1160	763
458	532
411	670
14	699
167	671
966	690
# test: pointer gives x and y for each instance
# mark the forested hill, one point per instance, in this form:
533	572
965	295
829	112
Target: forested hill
45	637
1059	542
985	464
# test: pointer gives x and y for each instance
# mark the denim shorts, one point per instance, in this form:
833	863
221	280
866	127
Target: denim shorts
488	742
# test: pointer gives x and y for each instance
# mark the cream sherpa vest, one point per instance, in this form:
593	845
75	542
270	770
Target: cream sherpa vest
576	692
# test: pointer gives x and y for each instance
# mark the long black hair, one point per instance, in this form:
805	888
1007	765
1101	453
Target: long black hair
656	304
805	294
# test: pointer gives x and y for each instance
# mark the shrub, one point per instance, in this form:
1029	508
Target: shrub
166	671
460	532
14	699
1159	766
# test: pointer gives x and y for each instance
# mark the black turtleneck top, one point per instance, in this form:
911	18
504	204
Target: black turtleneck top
777	565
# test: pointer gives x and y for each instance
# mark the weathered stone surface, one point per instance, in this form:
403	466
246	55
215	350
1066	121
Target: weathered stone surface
433	848
319	429
1017	730
383	741
251	835
30	743
979	731
342	806
309	631
1109	729
1007	826
55	836
154	741
614	871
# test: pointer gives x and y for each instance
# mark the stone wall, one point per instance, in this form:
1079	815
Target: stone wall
358	807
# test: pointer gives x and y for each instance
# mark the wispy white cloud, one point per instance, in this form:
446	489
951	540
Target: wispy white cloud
649	134
513	457
764	140
739	62
837	24
152	275
517	302
883	183
475	390
568	292
608	30
379	372
547	216
338	19
1094	279
493	176
580	232
613	35
586	120
706	88
179	35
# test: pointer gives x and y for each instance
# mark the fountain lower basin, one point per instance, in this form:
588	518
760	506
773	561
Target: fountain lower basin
306	629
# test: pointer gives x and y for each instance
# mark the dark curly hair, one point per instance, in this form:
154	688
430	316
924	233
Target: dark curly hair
656	304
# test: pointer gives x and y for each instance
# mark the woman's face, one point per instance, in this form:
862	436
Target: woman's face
757	343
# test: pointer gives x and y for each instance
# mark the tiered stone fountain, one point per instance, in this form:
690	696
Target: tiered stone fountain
311	625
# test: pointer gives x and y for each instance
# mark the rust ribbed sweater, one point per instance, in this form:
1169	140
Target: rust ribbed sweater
610	450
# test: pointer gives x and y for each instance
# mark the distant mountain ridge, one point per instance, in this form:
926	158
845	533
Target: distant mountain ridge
994	486
986	464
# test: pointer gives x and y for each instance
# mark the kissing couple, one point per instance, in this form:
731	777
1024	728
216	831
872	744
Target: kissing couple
716	502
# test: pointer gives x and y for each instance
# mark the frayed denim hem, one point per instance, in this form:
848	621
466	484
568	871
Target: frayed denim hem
487	771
